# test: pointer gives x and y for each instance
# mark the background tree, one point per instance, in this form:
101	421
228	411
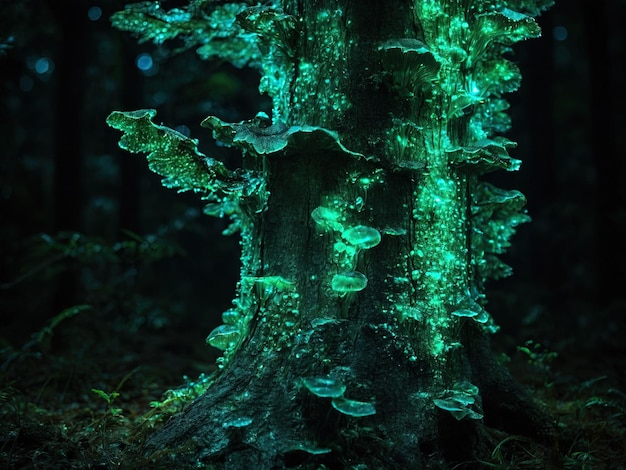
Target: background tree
358	335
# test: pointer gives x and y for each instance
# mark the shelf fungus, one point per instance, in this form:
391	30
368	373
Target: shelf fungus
262	137
410	63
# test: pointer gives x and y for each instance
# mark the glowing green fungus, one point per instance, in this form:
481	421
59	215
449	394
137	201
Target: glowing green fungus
324	387
353	407
353	281
362	236
224	337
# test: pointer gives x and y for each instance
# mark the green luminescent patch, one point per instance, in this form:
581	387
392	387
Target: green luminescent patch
319	87
480	317
276	33
309	449
240	422
327	218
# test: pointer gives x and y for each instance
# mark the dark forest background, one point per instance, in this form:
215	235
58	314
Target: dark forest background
86	224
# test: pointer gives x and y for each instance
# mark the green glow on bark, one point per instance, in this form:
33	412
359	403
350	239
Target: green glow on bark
317	86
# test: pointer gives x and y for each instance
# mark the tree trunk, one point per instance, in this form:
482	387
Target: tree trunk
358	338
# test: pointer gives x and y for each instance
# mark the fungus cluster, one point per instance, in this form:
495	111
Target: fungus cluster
327	387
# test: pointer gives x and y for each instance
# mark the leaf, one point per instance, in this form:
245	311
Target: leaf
102	394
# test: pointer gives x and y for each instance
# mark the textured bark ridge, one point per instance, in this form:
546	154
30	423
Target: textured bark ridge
359	335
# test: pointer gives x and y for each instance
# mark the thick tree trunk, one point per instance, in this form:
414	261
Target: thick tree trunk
258	414
359	333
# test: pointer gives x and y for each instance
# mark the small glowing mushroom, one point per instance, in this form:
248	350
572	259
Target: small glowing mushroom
327	218
352	281
353	407
224	337
324	387
362	236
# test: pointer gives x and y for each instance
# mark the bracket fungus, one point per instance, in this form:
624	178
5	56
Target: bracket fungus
459	400
262	137
485	155
410	63
506	26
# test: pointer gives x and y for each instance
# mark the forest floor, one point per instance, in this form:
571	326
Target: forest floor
83	393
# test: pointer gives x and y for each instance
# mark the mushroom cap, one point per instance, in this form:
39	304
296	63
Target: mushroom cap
352	281
224	337
362	236
324	386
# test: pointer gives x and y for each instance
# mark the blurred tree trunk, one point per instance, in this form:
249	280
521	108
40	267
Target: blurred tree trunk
610	198
130	168
71	19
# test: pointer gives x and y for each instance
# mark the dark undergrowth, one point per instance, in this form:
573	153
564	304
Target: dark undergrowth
86	393
87	388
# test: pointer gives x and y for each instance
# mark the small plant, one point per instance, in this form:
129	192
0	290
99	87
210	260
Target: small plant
539	358
113	411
